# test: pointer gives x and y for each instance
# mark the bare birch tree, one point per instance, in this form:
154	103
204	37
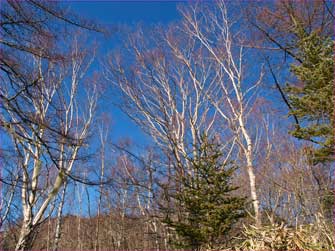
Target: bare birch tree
233	97
51	132
189	80
161	94
58	227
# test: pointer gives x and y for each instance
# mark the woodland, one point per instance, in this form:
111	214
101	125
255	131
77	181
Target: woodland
231	143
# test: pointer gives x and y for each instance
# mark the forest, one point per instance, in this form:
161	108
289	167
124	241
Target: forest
208	127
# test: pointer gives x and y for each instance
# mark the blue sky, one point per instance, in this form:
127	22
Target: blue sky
128	12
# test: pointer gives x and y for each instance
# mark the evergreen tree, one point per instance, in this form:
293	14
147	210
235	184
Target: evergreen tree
312	99
207	210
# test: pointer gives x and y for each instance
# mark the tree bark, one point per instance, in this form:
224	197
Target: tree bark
25	240
59	219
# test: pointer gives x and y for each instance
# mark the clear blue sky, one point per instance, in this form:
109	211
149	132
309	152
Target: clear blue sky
129	12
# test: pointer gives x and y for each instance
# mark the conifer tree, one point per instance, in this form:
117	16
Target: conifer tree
312	99
207	210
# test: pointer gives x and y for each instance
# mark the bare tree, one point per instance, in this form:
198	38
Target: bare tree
59	217
161	96
34	73
187	82
233	96
57	127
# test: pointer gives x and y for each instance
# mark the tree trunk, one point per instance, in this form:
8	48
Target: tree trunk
59	219
250	170
253	193
25	240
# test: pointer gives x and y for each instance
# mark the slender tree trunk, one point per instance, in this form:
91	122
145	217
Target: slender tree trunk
59	219
250	170
48	237
254	197
25	240
156	233
79	244
103	139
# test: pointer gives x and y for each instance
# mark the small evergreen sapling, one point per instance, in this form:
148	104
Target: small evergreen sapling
207	210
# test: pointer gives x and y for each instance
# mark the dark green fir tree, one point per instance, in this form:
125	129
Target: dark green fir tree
312	98
206	208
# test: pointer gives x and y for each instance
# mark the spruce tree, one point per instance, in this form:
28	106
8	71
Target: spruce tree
207	210
312	99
